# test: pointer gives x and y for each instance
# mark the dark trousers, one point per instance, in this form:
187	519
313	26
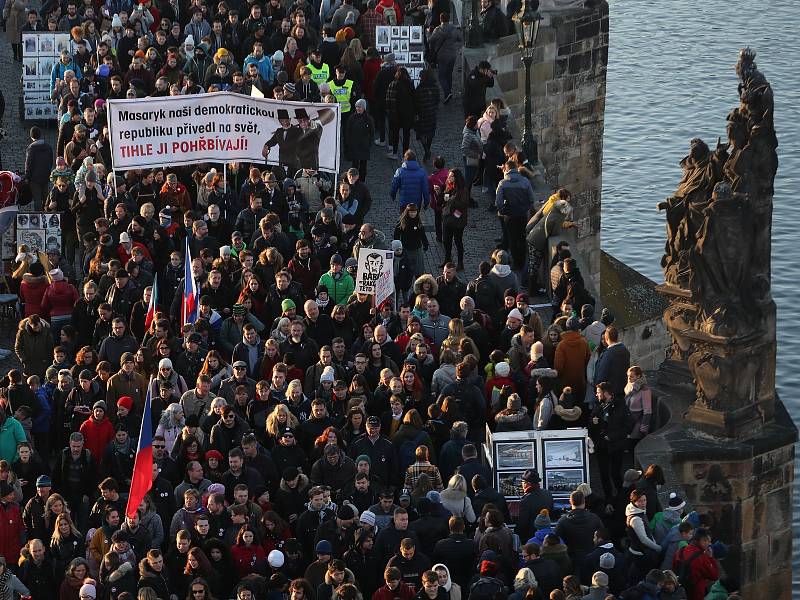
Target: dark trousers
394	135
469	175
515	228
445	72
451	235
379	115
610	464
437	224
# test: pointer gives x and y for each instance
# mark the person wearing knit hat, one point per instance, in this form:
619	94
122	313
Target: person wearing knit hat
364	458
165	363
514	417
600	582
607	561
542	520
125	402
87	590
664	520
86	375
328	374
287	305
44	481
514	314
56	275
502	369
567	412
215	488
100	404
367	518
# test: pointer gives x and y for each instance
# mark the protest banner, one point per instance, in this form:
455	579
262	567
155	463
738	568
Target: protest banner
223	127
375	274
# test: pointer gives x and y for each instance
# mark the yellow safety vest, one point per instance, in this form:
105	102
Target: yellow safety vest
319	75
342	94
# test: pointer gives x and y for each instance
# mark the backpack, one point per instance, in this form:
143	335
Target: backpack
390	14
406	453
485	588
684	571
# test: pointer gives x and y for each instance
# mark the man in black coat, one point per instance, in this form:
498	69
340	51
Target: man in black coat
38	164
480	79
458	552
592	563
613	364
379	449
577	529
472	466
533	500
611	422
546	571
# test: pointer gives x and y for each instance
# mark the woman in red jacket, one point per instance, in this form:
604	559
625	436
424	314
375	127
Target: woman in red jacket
32	289
97	430
58	301
248	557
698	559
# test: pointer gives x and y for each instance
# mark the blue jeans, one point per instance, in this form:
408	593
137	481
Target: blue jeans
469	175
445	69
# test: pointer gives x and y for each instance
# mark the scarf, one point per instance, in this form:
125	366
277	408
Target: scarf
633	388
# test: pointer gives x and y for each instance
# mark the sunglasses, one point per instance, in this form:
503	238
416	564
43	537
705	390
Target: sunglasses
159	446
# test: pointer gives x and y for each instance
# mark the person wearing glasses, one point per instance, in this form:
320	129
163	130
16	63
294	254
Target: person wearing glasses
168	375
228	432
199	590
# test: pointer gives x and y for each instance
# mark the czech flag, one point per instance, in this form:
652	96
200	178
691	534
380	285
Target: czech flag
191	302
142	479
152	307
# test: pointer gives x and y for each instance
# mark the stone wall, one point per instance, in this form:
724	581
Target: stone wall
568	85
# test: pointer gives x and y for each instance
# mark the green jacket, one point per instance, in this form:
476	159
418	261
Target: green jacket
717	592
340	285
11	434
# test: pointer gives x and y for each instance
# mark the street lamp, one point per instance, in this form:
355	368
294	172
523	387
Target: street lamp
474	34
526	22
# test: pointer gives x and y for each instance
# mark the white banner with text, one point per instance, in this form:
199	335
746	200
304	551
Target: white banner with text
223	127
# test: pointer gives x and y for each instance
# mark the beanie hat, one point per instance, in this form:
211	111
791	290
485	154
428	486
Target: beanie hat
361	103
278	56
86	374
542	519
573	324
126	402
44	481
600	579
515	314
87	589
323	547
116	21
57	275
99	404
514	402
214	454
275	559
165	363
365	458
327	374
675	502
502	369
345	512
397	246
607	561
367	517
216	488
288	304
434	496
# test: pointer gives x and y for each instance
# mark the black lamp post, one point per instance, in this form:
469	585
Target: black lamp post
474	35
526	22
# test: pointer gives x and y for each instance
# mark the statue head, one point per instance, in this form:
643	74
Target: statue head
722	192
746	63
698	149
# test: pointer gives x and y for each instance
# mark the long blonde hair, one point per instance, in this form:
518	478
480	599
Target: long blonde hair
272	420
57	537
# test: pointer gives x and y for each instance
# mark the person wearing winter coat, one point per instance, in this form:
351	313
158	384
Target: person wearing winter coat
393	588
410	183
609	428
514	417
411	232
57	302
34	345
577	529
97	430
334	469
639	400
703	568
643	551
170	425
455	499
14	16
339	283
360	133
12	587
566	413
426	100
445	42
32	289
400	111
514	200
572	356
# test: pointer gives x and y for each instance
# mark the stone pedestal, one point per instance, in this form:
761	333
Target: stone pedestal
746	484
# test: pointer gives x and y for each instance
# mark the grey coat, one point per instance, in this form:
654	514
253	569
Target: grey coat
446	40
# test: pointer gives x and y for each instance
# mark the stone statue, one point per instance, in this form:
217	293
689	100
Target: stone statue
717	262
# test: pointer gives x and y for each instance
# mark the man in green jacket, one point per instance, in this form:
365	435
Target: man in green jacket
339	283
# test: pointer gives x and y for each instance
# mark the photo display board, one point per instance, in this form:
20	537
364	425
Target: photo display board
39	231
406	43
40	51
560	456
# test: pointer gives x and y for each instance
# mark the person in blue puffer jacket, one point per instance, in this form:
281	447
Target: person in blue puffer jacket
514	202
411	183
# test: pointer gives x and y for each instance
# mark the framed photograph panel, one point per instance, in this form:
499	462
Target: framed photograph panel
516	455
509	483
565	454
563	481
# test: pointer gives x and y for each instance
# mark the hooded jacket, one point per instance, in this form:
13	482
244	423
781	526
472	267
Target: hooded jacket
639	534
336	476
410	182
34	349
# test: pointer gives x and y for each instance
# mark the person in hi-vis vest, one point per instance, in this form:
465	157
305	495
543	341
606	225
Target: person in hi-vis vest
320	71
346	93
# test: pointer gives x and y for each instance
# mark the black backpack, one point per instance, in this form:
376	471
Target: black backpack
684	571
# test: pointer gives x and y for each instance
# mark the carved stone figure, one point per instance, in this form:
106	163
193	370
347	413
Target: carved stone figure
717	263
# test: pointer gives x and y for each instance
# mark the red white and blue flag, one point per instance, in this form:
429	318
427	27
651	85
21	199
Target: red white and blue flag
153	306
142	479
191	303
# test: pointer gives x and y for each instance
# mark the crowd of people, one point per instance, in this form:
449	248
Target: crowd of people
307	444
